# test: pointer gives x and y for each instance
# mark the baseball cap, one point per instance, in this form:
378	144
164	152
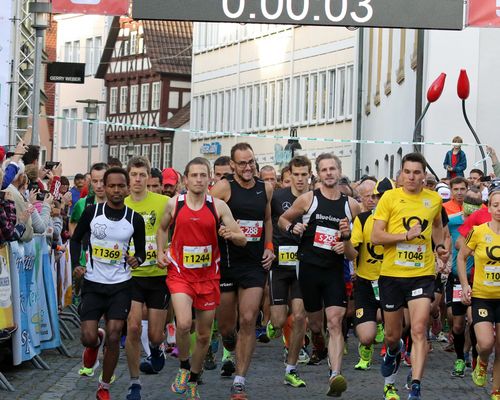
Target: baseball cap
170	176
494	186
383	185
444	191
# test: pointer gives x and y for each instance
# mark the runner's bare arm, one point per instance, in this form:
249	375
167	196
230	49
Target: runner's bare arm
268	255
230	230
298	208
438	236
221	190
345	229
462	255
382	237
162	233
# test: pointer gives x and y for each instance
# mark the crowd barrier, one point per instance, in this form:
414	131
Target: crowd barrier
35	286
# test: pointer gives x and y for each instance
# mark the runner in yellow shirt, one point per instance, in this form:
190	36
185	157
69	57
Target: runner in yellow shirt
407	220
484	241
148	280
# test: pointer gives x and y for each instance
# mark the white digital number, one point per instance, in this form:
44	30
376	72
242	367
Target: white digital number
329	14
369	12
292	14
229	14
267	14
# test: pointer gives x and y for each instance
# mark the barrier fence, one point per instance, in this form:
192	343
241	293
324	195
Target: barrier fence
35	284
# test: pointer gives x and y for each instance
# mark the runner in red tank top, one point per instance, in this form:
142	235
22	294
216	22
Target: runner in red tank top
193	265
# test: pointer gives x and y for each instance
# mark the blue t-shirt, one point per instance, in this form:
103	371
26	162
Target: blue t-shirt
75	196
455	221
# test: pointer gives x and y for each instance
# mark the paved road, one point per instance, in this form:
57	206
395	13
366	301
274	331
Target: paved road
264	380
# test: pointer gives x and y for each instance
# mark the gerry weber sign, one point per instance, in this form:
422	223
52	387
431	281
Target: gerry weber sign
62	72
428	14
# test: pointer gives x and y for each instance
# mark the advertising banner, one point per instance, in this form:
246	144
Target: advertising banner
34	299
6	316
484	13
100	7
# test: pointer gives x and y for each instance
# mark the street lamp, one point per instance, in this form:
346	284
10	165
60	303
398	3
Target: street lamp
41	10
91	110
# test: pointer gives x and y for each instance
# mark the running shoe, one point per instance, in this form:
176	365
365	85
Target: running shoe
179	385
409	378
175	352
134	392
102	393
436	326
390	363
459	369
336	386
467	360
441	337
228	368
157	358
365	360
146	366
414	392
383	350
315	358
272	332
495	395
113	378
90	356
390	392
303	356
238	392
192	391
480	374
407	359
261	335
379	338
210	363
293	379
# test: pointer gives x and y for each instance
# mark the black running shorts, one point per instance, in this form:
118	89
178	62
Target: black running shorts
397	292
244	277
485	310
457	307
365	302
322	287
151	290
283	286
111	300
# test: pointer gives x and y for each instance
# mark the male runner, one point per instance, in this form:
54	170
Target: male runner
148	280
106	285
244	270
155	181
366	289
283	284
193	266
222	166
326	214
407	219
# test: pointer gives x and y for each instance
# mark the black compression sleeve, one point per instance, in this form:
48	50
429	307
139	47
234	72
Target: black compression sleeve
81	229
139	237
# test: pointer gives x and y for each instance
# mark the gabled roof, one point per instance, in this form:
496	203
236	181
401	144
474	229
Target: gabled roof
180	118
168	46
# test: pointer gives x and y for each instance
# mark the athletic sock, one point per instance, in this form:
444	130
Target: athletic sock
459	342
144	337
239	379
135	380
193	376
290	368
185	364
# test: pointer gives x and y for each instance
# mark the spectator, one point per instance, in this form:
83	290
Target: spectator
12	168
268	174
455	161
7	217
76	190
494	160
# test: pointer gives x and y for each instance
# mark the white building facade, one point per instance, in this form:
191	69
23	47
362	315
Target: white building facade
79	39
267	80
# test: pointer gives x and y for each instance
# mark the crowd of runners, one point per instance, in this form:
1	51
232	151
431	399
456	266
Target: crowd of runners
240	254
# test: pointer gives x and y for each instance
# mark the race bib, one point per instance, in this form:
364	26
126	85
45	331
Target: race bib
492	275
376	291
252	229
287	255
326	237
197	256
107	254
410	255
457	293
151	251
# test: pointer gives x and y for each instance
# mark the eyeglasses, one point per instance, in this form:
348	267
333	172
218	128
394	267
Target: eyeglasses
243	164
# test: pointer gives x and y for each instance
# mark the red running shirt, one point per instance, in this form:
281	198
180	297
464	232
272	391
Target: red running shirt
194	253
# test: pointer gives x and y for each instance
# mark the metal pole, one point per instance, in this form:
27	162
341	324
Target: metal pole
90	125
35	137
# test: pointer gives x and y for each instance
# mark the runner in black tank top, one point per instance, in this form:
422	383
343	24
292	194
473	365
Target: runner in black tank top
325	232
244	270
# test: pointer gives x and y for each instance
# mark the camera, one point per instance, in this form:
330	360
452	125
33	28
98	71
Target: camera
485	179
51	164
40	196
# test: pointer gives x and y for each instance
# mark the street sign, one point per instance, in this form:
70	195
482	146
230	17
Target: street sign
484	13
427	14
62	72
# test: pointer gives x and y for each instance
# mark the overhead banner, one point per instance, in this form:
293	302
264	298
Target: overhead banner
484	13
99	7
427	14
34	299
5	68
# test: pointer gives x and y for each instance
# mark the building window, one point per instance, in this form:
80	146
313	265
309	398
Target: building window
232	118
167	155
72	51
279	104
341	97
67	52
304	99
113	100
296	100
263	105
323	97
332	84
145	97
140	47
134	91
145	150
133	42
226	114
220	109
123	154
137	149
89	56
155	155
241	109
73	126
286	108
155	96
125	47
313	98
65	128
350	91
272	106
113	151
91	129
256	123
123	99
248	107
